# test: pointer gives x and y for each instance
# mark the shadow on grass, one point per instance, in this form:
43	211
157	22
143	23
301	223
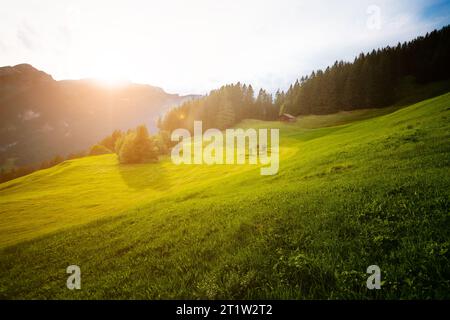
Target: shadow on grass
145	176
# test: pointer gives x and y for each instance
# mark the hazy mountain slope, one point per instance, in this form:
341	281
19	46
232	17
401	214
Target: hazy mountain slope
41	117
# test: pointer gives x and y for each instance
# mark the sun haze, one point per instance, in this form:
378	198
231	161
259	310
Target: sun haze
196	46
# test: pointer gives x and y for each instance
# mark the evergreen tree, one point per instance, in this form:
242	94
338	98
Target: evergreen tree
225	116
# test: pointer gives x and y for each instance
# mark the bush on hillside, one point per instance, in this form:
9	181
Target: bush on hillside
110	141
137	147
99	149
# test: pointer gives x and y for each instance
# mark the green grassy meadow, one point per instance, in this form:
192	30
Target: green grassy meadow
353	189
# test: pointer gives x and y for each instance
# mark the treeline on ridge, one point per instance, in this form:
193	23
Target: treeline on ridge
221	108
372	80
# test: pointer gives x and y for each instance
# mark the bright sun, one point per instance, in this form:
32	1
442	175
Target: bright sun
110	72
111	81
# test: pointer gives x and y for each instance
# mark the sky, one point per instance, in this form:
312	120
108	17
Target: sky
191	47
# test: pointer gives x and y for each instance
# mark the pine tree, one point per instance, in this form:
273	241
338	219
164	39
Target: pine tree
225	116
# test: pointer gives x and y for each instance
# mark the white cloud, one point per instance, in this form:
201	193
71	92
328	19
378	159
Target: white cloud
27	36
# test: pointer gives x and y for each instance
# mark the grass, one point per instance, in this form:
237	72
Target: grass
354	189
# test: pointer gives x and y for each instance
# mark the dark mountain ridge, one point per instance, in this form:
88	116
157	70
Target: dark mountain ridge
41	117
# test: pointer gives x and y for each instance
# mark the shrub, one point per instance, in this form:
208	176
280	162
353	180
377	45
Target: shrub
137	147
99	149
163	142
111	141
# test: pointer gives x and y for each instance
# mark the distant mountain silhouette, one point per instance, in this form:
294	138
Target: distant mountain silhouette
41	117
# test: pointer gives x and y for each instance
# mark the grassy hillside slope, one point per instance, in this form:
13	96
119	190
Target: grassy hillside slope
352	191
